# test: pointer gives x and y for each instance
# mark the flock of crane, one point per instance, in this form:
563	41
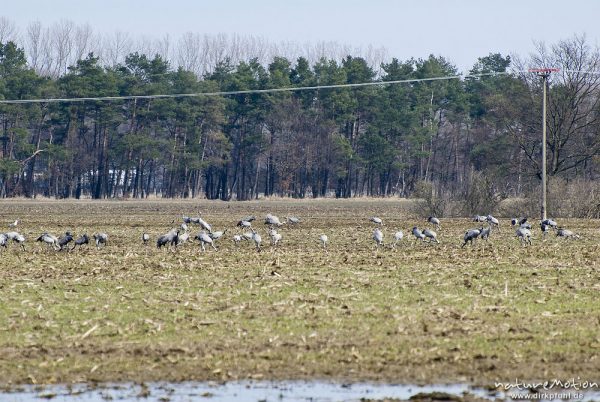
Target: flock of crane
180	234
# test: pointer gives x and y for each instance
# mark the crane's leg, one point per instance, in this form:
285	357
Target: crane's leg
213	246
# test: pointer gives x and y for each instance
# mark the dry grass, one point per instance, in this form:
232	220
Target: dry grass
418	313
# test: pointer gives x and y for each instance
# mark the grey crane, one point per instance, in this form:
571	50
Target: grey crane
567	234
3	240
204	224
431	235
545	229
550	222
376	220
417	233
493	221
484	233
434	221
204	238
217	235
49	239
257	239
101	239
237	239
183	238
272	220
294	220
378	237
186	219
324	239
171	238
524	235
145	238
16	237
470	236
81	240
275	237
520	222
479	218
244	224
65	240
398	236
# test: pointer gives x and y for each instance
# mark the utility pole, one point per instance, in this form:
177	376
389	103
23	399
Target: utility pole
544	73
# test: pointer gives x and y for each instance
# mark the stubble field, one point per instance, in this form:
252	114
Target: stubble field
418	313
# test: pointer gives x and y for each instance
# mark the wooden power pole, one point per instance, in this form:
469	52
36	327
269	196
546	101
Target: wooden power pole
544	73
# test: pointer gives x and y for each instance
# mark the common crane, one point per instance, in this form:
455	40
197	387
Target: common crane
493	221
376	220
101	239
520	222
204	238
417	233
545	229
217	235
275	237
524	235
244	224
470	236
272	220
398	236
84	239
171	238
183	238
257	239
204	224
324	239
434	221
49	239
378	237
65	240
16	237
567	234
484	233
431	235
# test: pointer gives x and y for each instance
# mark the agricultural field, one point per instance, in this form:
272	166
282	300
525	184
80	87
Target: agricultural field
419	313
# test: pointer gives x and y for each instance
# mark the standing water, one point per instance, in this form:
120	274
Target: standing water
251	391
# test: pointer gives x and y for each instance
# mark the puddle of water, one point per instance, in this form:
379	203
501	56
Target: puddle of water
250	391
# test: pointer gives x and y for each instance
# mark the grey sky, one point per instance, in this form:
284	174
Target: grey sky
461	30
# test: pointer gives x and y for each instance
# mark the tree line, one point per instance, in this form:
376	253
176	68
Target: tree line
455	136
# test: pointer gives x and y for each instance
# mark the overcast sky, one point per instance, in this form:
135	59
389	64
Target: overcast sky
459	30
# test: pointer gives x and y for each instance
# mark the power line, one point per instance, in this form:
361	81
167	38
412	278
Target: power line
250	91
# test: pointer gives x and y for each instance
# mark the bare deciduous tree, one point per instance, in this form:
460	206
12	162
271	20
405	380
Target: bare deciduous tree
8	30
573	120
